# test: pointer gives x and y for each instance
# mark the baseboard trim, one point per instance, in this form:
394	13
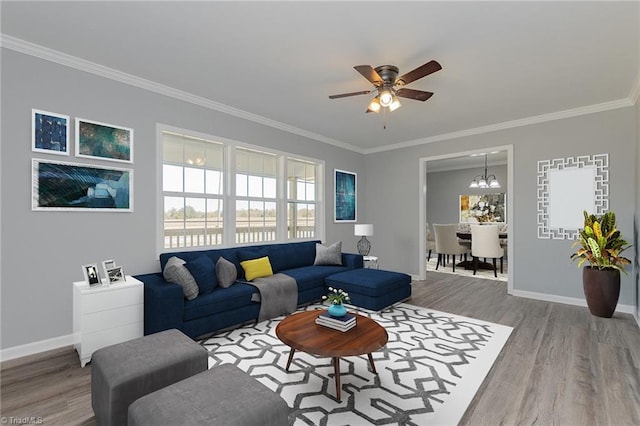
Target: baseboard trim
36	347
623	309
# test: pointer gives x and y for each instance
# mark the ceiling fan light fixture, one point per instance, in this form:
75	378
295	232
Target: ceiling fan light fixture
374	105
395	104
386	98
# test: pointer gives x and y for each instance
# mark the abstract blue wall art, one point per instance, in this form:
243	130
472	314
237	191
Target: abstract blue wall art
49	132
345	197
73	187
103	141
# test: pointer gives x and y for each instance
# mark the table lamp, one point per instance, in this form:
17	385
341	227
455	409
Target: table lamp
363	230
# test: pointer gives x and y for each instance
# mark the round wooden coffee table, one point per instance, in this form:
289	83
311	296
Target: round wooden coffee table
300	332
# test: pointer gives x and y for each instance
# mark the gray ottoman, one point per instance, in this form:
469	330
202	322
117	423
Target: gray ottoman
222	396
122	373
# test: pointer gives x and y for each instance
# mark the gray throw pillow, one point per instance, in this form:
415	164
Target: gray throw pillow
176	272
226	272
331	255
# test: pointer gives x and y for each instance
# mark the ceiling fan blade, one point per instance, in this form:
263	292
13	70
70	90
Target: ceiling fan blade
344	95
418	95
370	74
422	71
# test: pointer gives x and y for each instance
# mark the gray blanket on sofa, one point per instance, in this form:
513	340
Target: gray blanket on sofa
278	295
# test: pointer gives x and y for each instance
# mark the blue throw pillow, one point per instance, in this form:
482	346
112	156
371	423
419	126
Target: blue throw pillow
204	272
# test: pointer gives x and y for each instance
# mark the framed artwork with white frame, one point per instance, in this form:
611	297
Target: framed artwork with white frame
91	274
345	196
115	275
64	186
49	132
103	141
108	264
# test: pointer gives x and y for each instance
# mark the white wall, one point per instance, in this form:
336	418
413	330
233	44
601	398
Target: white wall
42	252
540	266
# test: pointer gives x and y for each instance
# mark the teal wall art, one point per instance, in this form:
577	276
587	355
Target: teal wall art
345	196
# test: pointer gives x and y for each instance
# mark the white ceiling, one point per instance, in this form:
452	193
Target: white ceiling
279	61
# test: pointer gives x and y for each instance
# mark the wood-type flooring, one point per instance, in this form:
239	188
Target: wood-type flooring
561	365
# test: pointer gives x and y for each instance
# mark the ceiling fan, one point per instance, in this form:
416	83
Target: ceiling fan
389	86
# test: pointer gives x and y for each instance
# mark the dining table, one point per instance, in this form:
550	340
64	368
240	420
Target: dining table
467	235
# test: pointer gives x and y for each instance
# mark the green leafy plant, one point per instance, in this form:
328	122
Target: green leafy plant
601	243
336	296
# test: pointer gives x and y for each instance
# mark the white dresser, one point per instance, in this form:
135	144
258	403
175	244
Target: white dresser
105	315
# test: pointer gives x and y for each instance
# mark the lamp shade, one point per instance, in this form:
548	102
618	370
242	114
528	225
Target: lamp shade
363	229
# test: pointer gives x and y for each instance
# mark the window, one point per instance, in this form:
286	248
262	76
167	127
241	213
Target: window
301	199
256	194
192	186
269	196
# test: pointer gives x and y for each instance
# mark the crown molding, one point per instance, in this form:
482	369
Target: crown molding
70	61
605	106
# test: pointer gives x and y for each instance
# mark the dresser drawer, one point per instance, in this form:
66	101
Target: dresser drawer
91	342
113	318
111	299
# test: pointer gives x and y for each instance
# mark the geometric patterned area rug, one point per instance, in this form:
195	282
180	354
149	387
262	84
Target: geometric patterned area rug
481	273
428	373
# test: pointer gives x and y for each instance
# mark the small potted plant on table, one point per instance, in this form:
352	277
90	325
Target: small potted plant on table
336	297
601	245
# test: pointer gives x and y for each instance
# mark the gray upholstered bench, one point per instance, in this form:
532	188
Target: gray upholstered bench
122	373
372	289
223	395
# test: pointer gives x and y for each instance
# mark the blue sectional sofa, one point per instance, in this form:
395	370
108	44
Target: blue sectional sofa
165	306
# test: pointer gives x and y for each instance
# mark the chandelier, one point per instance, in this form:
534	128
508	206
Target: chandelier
484	180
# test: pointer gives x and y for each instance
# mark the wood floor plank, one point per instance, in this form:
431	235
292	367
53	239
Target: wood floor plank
560	366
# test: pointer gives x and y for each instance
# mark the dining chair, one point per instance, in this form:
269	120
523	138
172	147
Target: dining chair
485	243
431	242
447	244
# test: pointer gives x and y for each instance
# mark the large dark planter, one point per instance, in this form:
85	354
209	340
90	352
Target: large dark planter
601	289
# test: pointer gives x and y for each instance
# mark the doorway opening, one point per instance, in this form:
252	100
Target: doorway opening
457	160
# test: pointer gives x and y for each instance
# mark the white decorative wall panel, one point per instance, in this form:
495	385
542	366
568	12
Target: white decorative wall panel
566	187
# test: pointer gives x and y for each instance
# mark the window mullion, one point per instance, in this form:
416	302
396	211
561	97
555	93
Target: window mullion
229	212
281	199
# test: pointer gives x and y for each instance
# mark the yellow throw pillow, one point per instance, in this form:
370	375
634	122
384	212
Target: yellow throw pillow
257	268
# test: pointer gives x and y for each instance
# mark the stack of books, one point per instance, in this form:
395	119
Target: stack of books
343	323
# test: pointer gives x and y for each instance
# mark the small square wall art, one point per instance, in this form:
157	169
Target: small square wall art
49	132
